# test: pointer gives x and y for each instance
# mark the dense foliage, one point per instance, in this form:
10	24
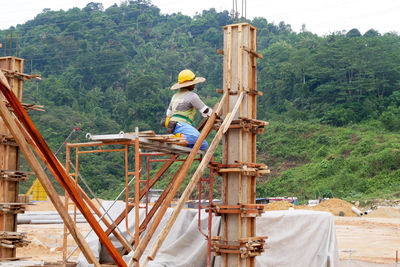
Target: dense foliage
109	70
310	160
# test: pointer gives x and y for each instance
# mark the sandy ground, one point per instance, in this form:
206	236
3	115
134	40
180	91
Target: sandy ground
373	239
47	241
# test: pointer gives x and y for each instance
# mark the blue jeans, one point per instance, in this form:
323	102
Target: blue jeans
190	133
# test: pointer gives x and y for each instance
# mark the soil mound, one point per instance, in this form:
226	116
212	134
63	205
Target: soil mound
278	205
385	212
336	206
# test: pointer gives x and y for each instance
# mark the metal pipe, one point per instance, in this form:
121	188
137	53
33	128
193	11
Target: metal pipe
236	13
211	180
357	211
101	151
147	184
76	174
245	10
233	11
127	191
137	189
65	234
10	43
16	47
241	15
5	43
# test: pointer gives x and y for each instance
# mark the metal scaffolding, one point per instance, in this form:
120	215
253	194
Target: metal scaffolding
137	145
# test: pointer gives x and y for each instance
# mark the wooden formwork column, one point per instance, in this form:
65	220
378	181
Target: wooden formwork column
239	146
9	158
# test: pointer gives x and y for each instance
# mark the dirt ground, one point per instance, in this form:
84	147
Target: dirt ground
372	238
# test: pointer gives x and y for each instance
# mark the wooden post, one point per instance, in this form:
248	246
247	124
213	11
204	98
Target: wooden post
44	180
239	67
9	155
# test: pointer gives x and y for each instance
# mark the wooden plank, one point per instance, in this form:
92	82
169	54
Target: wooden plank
44	180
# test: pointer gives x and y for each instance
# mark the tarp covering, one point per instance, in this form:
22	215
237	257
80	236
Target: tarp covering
295	238
184	246
298	238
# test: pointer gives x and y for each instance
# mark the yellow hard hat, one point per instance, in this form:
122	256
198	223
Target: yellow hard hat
186	75
187	78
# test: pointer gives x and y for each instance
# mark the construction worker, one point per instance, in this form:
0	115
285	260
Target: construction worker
183	106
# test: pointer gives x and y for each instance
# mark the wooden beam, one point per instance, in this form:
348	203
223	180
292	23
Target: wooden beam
44	180
251	51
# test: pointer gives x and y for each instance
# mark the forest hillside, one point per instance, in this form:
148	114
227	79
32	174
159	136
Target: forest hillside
333	102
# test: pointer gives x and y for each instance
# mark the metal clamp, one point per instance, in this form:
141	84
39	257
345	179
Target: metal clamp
246	247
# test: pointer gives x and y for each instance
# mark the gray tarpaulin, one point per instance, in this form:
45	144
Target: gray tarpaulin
296	238
184	245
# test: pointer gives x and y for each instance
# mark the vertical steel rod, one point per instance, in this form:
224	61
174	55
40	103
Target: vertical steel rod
65	237
16	47
137	188
127	190
10	43
5	43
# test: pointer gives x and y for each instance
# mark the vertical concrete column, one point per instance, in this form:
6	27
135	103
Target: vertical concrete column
239	146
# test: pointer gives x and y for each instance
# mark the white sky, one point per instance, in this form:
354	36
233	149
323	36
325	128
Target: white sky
319	16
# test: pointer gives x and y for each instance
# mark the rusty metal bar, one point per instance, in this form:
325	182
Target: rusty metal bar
137	190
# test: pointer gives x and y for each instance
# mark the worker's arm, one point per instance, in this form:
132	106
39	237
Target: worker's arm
199	105
169	111
206	111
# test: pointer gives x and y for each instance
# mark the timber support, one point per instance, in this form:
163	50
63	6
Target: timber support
10	176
